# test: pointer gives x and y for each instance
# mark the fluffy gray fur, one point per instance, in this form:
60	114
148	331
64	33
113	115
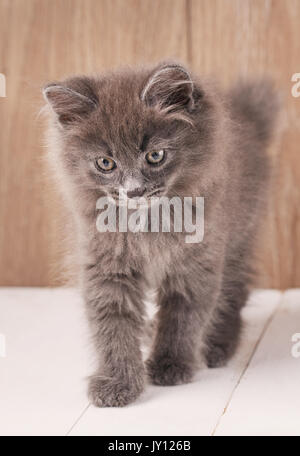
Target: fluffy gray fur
216	148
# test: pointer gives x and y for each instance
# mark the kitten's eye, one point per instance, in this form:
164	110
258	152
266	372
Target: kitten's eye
105	164
155	157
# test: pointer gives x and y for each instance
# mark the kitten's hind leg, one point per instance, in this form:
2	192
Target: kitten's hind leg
223	339
224	333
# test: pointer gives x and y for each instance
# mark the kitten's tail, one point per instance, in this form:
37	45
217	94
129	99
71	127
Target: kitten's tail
258	104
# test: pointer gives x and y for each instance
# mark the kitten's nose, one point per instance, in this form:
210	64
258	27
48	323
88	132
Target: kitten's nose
139	191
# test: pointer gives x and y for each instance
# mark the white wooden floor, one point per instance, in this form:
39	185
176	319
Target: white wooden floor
47	357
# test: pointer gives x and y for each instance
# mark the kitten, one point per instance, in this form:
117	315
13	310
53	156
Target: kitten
161	131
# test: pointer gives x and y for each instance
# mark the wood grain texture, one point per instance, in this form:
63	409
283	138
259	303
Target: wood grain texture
42	40
254	38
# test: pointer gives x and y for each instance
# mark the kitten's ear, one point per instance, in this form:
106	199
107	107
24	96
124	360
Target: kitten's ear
170	88
71	100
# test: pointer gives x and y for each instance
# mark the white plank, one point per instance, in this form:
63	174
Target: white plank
42	387
192	409
267	400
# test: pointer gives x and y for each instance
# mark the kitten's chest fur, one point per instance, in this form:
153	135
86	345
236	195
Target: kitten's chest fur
155	255
150	256
157	259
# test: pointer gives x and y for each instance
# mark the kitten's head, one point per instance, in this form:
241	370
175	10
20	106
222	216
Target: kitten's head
140	131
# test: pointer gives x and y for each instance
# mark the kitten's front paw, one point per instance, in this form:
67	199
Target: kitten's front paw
167	371
110	392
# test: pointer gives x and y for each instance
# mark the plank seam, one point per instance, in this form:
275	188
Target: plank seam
244	370
78	419
189	37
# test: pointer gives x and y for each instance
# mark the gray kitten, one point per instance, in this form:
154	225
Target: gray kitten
162	131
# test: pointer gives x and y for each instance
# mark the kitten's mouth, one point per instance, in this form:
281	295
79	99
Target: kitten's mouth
123	199
157	192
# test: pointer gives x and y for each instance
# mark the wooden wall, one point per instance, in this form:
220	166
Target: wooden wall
42	40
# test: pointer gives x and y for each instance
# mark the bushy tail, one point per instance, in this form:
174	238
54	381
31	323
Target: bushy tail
258	104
